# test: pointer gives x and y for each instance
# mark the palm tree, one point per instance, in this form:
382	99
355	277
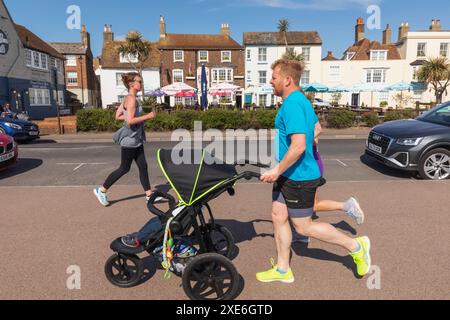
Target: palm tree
291	54
135	46
436	71
283	26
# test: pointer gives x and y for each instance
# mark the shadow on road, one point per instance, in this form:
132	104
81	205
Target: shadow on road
385	170
22	166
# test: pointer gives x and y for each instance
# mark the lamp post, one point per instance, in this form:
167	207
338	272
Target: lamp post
82	79
55	77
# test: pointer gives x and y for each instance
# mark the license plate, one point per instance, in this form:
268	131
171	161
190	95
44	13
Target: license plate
33	133
7	156
375	148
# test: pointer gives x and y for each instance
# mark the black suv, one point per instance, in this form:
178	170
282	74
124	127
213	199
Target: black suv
421	145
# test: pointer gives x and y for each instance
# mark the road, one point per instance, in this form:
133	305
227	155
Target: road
51	221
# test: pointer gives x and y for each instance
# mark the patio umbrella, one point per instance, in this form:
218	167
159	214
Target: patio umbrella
173	89
185	94
369	87
339	89
204	83
155	93
315	87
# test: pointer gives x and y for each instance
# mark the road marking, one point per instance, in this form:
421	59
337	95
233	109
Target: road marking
79	165
341	163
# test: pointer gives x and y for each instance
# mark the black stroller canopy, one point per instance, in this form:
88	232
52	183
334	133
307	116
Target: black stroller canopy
193	180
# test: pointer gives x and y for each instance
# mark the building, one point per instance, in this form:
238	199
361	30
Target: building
31	71
380	65
182	57
262	49
81	80
112	65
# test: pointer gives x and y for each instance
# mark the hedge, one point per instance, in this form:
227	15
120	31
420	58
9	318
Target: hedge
400	115
371	119
341	119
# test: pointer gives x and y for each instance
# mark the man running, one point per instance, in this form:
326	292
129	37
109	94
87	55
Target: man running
297	177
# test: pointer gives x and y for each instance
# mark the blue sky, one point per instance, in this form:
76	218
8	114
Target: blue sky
334	19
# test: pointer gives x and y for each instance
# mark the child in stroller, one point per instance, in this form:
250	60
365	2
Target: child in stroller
181	238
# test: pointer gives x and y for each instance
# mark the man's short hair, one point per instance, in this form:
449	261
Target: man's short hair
290	68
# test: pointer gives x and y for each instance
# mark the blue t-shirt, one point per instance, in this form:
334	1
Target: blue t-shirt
297	116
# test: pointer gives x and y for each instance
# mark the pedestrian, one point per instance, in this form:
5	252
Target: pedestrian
7	112
297	177
130	111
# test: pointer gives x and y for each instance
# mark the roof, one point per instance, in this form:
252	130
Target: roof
277	38
32	41
330	57
418	63
69	48
111	58
363	47
198	41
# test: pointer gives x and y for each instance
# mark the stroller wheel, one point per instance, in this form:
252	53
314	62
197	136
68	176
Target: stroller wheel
124	271
211	276
222	240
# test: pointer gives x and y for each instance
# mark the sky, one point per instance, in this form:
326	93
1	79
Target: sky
333	19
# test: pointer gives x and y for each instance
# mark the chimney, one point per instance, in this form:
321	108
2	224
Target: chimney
108	35
403	31
85	37
359	30
162	28
387	35
435	25
225	29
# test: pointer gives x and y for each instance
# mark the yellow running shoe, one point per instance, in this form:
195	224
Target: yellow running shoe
273	275
362	257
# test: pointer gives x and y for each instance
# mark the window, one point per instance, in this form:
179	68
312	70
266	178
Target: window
28	58
178	56
421	49
36	59
222	75
203	56
46	97
305	77
119	82
262	77
177	76
444	50
335	73
226	56
349	55
44	62
262	54
249	76
415	70
71	61
32	97
59	97
72	78
378	55
306	53
383	96
376	76
39	97
129	58
249	54
263	100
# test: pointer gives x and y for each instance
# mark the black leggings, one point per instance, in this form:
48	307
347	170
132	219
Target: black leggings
128	155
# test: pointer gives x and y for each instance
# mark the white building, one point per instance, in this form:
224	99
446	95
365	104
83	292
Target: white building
383	64
113	65
262	49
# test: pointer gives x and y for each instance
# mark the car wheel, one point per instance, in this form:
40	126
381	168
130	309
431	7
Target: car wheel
435	165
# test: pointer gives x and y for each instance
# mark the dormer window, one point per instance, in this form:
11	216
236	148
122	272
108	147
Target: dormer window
378	55
129	58
349	55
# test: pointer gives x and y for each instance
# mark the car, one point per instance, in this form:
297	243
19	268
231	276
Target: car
20	130
420	145
8	151
321	104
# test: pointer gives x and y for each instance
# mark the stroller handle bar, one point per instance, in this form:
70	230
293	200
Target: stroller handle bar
155	210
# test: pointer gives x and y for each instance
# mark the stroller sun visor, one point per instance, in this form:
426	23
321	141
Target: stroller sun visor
195	179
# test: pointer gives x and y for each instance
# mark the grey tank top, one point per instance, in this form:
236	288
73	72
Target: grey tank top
137	130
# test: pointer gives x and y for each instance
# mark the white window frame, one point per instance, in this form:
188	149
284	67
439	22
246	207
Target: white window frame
260	77
305	75
216	73
180	72
39	97
44	61
306	53
442	52
383	96
421	53
28	58
200	56
222	53
414	74
335	73
379	73
262	100
249	54
349	56
261	55
70	82
130	58
119	82
71	61
175	56
378	55
249	76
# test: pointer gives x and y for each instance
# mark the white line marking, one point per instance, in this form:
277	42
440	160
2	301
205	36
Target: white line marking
341	163
78	167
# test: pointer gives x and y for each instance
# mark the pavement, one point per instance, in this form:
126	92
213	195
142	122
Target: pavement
51	222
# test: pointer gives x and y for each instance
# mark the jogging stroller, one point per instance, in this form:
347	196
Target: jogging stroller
188	245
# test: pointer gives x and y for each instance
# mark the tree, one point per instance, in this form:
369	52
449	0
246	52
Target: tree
137	50
436	71
283	27
291	54
403	100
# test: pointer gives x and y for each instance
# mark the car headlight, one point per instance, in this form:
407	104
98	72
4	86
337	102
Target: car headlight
409	141
14	126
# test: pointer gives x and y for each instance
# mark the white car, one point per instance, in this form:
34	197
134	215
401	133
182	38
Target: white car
321	104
